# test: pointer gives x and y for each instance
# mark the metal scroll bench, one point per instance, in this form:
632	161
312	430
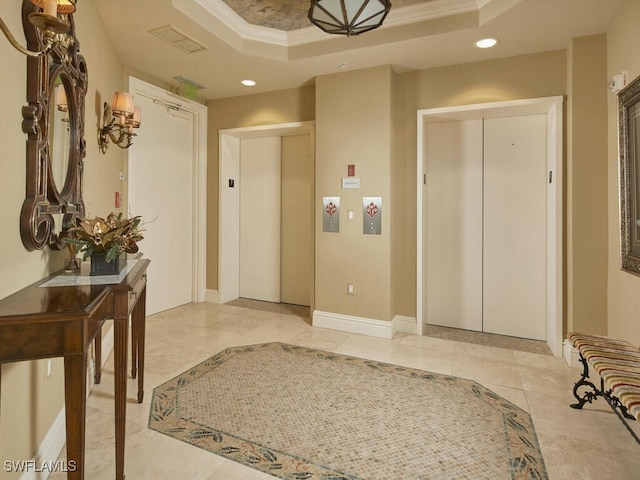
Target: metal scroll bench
618	364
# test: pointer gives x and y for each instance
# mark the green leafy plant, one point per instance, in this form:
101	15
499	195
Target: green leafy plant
112	235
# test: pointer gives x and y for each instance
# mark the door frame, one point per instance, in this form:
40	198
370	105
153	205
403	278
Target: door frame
199	174
553	108
229	199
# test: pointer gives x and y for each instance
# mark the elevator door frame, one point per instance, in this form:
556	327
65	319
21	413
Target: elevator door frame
229	206
552	107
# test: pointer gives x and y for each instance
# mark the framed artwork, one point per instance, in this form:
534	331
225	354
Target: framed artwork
629	133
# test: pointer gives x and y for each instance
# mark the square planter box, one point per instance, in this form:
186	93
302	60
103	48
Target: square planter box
101	267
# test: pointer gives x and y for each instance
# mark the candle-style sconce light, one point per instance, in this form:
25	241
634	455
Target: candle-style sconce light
47	21
61	98
122	117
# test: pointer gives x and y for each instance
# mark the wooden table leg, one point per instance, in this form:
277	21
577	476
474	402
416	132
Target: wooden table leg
134	346
120	327
0	396
75	399
138	318
97	346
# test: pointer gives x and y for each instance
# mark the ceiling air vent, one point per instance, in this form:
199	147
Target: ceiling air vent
180	40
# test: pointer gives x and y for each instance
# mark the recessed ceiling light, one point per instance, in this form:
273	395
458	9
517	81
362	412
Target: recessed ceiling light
248	83
486	43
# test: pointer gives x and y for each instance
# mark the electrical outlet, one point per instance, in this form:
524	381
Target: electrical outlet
351	289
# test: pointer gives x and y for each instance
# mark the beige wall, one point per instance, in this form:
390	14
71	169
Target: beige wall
25	267
512	78
527	76
353	126
29	403
285	106
623	288
586	190
384	152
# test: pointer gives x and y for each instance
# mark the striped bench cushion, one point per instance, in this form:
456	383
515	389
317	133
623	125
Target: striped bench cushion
618	364
579	339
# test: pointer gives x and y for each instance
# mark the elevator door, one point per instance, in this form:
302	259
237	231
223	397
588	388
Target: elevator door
296	267
260	218
515	234
454	224
486	225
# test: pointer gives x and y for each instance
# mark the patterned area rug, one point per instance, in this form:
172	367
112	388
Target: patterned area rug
299	413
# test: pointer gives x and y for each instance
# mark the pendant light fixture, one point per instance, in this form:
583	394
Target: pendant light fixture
348	17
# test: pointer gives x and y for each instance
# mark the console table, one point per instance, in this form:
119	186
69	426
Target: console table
44	320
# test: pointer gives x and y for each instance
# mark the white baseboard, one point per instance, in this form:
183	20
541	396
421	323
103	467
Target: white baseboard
45	459
405	324
570	354
107	348
212	296
352	324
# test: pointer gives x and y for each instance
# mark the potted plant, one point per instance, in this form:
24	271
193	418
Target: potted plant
106	241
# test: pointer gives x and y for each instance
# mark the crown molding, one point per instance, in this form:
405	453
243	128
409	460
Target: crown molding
237	32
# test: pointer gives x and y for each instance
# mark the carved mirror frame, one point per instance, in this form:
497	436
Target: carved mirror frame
49	207
629	134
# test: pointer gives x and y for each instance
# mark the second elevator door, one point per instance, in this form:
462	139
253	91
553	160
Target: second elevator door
276	228
486	225
515	226
260	180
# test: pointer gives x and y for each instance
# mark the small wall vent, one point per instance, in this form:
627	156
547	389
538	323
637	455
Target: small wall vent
178	39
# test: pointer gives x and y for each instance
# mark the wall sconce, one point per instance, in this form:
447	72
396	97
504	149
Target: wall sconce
62	105
126	117
61	98
47	22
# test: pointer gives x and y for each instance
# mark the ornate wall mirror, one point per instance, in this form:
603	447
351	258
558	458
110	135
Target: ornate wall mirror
629	132
54	123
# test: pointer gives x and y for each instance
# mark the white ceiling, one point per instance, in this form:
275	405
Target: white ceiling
234	51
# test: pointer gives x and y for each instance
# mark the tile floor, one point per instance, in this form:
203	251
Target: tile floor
576	445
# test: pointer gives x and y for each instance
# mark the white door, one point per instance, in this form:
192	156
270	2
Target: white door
515	182
260	207
454	224
162	193
486	225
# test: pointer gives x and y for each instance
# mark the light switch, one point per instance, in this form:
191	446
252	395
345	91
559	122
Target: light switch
350	215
